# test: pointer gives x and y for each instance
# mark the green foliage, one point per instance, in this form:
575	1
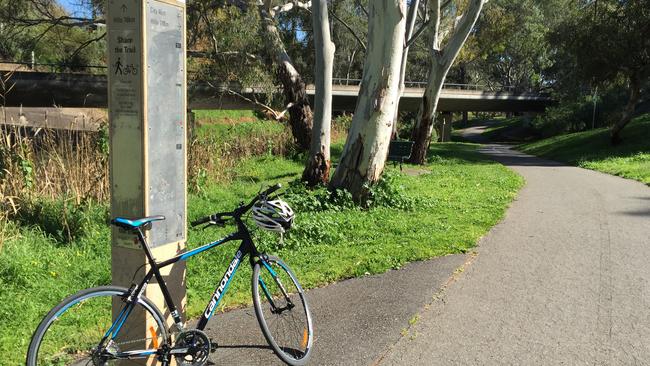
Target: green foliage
605	42
52	42
237	59
509	46
575	114
389	192
592	150
63	220
305	199
460	198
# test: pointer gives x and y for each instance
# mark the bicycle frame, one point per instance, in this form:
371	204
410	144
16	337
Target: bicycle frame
247	247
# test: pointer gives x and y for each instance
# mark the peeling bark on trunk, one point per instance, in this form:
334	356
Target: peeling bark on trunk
635	92
366	148
300	115
317	170
424	124
442	60
410	25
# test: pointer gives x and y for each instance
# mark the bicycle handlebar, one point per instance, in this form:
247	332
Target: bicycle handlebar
217	218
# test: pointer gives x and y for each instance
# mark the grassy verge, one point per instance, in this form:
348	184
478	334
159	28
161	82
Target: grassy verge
592	150
441	212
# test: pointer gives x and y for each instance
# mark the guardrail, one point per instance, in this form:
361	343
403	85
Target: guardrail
423	84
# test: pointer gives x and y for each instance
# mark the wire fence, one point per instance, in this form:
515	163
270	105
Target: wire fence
51	67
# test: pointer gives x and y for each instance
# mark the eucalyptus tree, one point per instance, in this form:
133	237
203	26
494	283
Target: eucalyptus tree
509	46
318	165
442	58
610	45
349	21
366	147
296	100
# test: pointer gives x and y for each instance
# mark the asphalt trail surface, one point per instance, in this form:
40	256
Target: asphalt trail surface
354	320
564	279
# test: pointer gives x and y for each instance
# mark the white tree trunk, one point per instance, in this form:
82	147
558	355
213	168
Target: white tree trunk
318	166
300	115
366	148
442	59
410	25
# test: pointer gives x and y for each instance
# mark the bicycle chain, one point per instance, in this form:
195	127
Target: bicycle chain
133	341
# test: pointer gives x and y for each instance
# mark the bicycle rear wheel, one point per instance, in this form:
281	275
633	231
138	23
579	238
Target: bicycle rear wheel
282	310
71	332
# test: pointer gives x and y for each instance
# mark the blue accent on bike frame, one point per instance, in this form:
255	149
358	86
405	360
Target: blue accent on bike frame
225	289
126	315
115	322
201	249
270	269
266	291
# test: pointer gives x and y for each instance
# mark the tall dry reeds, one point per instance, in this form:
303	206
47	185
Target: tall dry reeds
212	157
54	164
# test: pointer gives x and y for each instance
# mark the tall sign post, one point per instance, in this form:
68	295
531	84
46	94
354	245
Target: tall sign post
147	103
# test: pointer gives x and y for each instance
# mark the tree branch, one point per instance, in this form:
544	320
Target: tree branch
349	28
86	44
417	34
462	32
363	9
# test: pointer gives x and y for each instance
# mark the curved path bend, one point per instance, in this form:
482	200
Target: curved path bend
564	279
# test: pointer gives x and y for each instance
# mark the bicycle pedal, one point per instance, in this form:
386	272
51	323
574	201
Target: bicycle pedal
213	346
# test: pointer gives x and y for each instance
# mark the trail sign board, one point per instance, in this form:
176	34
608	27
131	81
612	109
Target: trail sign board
147	91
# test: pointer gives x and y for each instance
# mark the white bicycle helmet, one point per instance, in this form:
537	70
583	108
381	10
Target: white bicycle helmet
273	215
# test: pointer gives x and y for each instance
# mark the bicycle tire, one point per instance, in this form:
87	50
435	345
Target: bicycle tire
80	322
294	349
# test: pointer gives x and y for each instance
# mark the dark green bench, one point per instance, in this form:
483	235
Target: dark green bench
399	151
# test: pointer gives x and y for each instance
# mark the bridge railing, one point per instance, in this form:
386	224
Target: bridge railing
423	84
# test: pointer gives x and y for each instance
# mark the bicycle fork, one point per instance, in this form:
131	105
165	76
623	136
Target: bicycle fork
267	293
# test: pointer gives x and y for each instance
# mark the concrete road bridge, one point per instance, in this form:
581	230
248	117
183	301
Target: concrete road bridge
34	89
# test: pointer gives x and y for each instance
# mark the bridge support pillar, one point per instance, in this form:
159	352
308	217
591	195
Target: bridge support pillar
147	126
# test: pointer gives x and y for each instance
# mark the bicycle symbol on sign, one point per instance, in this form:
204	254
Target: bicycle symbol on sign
121	69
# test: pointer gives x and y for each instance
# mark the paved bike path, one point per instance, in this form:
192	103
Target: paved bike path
563	279
354	320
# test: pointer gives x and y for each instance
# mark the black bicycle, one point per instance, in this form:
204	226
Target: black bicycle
83	330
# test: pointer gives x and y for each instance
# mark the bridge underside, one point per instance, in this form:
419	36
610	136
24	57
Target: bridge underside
89	91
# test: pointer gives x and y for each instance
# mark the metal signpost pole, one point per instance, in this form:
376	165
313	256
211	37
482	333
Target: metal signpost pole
147	114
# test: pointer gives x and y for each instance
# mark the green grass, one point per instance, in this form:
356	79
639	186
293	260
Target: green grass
216	114
452	206
592	150
502	126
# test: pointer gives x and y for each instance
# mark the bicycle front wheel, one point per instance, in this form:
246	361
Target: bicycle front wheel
72	332
282	311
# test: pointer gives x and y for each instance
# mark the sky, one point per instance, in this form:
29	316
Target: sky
70	5
67	4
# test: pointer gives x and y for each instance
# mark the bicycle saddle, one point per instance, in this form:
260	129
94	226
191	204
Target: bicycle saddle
134	223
